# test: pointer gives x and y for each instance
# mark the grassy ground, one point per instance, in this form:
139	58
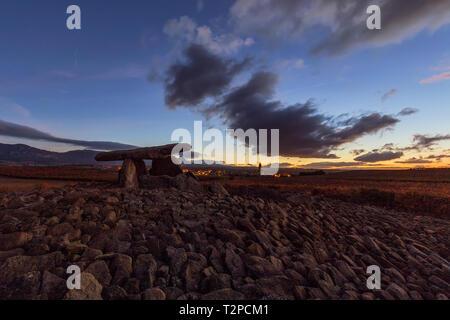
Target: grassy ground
18	184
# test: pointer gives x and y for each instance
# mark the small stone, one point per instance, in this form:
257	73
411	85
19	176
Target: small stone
223	294
299	293
397	292
154	294
14	240
53	286
234	263
91	289
99	269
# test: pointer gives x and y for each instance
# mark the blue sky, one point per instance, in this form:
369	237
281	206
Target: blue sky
92	84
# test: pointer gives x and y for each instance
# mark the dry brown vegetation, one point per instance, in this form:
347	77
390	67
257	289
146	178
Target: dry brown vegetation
60	173
424	192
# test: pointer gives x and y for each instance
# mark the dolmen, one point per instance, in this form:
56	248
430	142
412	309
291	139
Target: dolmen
133	167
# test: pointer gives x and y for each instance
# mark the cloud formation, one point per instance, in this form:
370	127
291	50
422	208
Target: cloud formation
327	165
414	161
7	105
10	129
421	141
438	157
345	20
407	111
201	76
304	132
185	29
436	78
357	152
389	93
379	156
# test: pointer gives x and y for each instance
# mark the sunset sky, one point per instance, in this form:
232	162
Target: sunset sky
342	96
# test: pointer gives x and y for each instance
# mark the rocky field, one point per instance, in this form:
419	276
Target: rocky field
177	239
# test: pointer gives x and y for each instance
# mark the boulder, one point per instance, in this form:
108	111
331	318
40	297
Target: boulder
165	167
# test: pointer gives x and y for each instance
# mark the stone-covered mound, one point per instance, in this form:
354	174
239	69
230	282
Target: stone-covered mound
178	240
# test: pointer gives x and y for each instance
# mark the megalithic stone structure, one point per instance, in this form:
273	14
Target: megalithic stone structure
134	166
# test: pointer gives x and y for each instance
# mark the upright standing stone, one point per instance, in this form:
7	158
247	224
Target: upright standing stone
128	176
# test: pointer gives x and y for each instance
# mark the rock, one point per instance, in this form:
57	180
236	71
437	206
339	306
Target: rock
64	229
122	267
165	167
16	266
145	268
99	269
367	296
256	249
14	240
276	285
177	259
114	293
223	294
192	275
11	253
90	254
439	282
90	289
441	296
216	282
172	293
154	294
24	287
234	264
123	230
132	287
263	239
397	291
299	293
218	189
260	267
345	270
129	173
53	286
110	218
415	295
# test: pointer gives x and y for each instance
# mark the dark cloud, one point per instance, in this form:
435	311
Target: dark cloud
386	147
201	76
327	165
389	93
438	157
407	111
414	161
304	132
19	131
281	165
421	141
346	20
379	156
357	152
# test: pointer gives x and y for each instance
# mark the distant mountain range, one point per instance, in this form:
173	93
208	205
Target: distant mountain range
22	154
